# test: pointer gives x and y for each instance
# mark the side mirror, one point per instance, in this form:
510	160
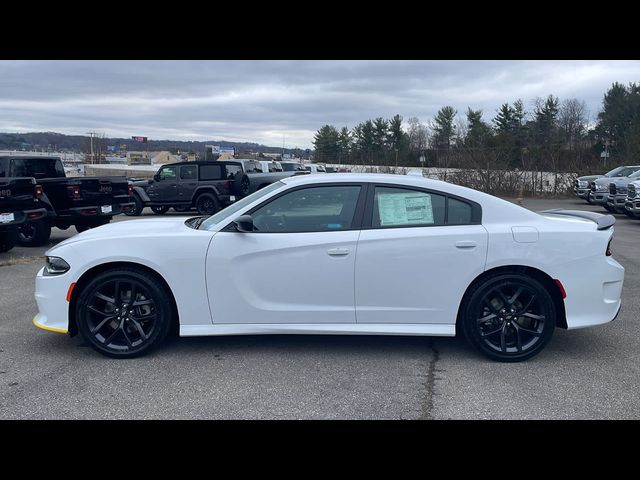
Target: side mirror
244	223
156	177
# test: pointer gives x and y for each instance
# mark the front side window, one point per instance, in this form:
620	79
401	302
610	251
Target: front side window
189	172
395	207
167	174
311	209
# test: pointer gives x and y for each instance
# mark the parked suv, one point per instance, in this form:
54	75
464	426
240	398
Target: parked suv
582	185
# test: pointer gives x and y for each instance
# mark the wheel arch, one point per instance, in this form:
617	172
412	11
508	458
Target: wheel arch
548	282
205	189
87	276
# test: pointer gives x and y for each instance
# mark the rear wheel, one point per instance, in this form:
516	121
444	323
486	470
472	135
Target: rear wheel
124	313
137	210
34	234
207	204
8	239
509	317
160	210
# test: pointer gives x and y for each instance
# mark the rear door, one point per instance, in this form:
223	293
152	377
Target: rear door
188	182
417	253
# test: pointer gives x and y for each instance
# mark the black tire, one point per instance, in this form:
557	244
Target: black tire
608	208
8	239
628	213
589	201
160	210
207	204
131	330
242	184
81	227
34	234
508	317
137	210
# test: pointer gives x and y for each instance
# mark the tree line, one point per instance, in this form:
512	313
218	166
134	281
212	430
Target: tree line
549	135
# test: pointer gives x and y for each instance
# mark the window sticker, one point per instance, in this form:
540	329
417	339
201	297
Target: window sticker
405	208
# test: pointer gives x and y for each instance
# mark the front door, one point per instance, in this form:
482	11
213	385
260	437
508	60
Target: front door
417	253
165	188
298	264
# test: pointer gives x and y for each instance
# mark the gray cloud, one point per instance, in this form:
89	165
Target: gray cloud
262	100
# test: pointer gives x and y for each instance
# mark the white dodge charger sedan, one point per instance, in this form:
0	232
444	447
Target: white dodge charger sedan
357	254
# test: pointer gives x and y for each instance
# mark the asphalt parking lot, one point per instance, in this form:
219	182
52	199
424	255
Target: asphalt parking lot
582	374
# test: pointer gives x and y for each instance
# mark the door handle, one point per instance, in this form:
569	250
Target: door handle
466	244
334	252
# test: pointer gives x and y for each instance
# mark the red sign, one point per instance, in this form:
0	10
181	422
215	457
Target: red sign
140	139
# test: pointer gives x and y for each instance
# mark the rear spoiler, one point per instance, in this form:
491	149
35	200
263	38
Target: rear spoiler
603	221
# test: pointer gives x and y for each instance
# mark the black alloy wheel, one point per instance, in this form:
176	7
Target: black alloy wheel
509	318
137	209
124	313
34	234
245	185
207	204
160	210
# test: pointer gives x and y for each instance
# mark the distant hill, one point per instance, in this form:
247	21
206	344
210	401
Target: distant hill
81	143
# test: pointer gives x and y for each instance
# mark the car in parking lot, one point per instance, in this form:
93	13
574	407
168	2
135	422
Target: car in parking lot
18	204
397	255
582	185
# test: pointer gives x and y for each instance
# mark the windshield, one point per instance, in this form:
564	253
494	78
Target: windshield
213	220
621	172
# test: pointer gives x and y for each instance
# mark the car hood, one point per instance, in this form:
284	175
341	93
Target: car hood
152	227
590	178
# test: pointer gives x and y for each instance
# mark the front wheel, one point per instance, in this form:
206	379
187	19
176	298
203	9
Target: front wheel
124	313
137	209
34	234
509	317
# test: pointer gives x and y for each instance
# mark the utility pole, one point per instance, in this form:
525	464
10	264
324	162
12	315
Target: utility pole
91	134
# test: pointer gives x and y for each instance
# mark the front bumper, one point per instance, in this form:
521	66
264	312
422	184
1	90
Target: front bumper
51	298
582	192
617	202
599	198
632	206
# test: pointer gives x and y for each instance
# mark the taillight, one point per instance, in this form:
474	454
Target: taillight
227	184
38	191
130	190
74	192
608	252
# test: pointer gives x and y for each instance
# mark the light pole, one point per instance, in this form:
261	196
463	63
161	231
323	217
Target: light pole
91	134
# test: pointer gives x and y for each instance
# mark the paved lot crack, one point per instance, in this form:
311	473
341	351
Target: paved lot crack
427	406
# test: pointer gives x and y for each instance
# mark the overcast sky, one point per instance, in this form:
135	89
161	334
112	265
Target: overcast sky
260	101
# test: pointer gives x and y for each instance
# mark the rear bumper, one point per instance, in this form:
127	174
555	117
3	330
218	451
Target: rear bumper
22	216
593	299
95	211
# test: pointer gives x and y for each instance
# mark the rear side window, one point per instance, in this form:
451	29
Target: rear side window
458	212
189	172
396	207
233	171
210	172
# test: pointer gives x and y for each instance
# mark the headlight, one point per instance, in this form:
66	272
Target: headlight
55	266
601	188
583	184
